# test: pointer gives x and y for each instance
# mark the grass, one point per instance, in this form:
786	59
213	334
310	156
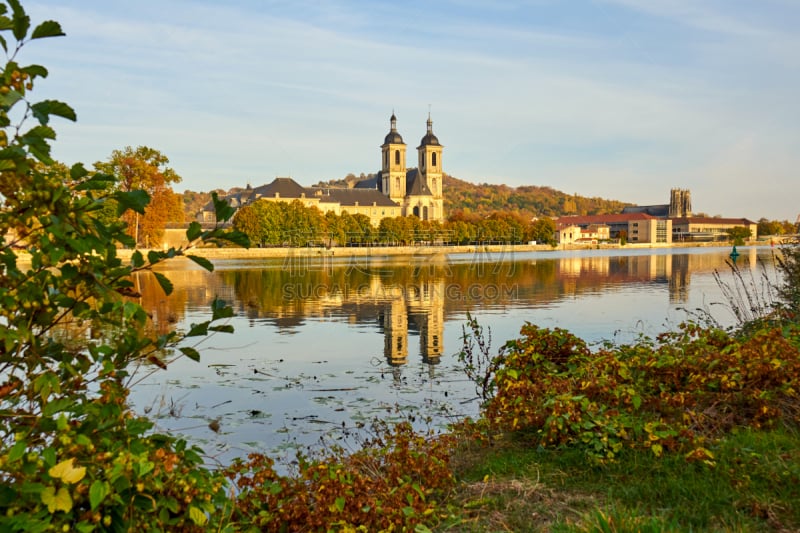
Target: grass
753	485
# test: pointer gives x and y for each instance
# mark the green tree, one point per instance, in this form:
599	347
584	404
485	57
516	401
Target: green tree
145	169
301	224
264	222
739	234
362	227
769	227
334	229
248	220
543	230
392	230
462	232
73	456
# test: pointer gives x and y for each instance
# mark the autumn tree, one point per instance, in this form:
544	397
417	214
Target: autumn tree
775	227
145	169
303	224
334	229
543	230
359	227
739	234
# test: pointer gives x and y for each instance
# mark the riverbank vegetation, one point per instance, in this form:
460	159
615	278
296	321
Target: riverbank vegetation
294	224
696	429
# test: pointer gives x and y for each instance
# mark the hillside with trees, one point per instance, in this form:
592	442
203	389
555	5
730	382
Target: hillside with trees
527	201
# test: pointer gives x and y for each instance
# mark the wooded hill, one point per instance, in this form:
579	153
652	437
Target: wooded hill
526	200
478	199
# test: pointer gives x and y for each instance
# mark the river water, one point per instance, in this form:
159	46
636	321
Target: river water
323	346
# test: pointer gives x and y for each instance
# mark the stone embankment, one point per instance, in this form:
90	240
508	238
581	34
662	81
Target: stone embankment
411	251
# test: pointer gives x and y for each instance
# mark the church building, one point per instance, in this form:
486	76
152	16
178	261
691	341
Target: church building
418	191
394	191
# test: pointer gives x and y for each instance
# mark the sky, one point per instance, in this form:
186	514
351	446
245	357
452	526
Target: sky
619	99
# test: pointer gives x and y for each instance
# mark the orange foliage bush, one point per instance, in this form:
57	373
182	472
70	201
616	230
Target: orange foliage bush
673	393
392	484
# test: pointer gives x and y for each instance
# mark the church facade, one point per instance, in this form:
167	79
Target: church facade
417	191
394	191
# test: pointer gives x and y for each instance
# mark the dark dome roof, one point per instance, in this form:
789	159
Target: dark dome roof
429	140
393	138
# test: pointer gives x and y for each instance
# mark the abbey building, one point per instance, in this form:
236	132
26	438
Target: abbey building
417	191
394	191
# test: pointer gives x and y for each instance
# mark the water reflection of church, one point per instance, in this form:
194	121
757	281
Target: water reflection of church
401	307
416	307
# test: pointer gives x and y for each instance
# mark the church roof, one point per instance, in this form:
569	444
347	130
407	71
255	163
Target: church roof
393	137
351	197
430	139
416	184
712	220
370	183
280	188
618	218
661	211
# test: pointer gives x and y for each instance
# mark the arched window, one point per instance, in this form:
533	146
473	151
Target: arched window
433	184
397	184
386	159
433	159
416	211
397	157
425	213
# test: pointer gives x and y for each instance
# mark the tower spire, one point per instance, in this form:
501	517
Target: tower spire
430	122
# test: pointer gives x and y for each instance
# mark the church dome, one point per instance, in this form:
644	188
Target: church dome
393	137
429	140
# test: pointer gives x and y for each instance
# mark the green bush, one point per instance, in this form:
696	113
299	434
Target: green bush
677	393
789	288
72	453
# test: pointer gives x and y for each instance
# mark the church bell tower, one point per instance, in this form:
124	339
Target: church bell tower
393	168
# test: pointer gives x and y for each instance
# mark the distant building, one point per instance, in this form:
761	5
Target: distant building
686	227
709	228
573	233
370	203
636	227
680	205
394	191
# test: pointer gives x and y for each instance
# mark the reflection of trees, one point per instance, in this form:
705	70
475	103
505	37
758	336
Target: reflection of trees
414	294
320	287
191	287
292	291
164	311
